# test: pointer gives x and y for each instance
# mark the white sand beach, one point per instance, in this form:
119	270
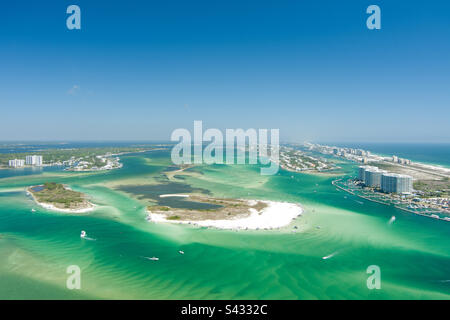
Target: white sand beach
49	206
275	215
174	195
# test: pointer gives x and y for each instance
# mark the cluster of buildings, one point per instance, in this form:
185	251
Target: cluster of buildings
337	151
358	155
352	154
295	160
386	181
396	159
29	160
104	163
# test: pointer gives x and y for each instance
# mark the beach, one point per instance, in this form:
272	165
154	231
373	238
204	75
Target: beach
49	206
275	215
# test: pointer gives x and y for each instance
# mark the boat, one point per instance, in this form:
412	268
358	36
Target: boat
33	210
83	234
152	258
181	252
391	220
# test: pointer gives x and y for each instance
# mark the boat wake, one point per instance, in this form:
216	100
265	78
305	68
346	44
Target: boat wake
330	255
391	220
84	236
151	258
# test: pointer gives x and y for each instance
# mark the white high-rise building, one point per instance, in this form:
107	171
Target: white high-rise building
34	160
370	175
16	163
396	183
362	172
38	161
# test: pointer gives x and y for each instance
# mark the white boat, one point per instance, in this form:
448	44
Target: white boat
33	210
391	220
329	256
152	258
83	234
181	252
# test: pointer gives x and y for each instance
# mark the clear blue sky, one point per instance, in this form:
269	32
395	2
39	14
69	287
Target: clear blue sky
139	69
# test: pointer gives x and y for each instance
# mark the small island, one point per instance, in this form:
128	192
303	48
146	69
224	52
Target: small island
228	213
58	197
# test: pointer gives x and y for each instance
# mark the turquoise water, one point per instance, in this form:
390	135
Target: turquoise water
37	247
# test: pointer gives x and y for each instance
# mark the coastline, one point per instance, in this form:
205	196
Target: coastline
385	204
275	215
52	207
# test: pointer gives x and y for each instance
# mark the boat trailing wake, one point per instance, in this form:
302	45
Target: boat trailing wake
330	255
391	220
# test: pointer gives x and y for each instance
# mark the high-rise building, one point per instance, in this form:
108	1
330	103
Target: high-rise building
362	171
372	177
16	163
38	161
34	160
396	183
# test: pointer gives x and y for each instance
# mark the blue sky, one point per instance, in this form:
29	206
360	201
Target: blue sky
137	70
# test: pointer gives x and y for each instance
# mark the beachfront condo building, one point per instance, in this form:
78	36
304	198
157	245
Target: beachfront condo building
370	175
396	183
362	172
34	160
16	163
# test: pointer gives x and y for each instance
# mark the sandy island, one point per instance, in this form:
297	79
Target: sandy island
80	206
253	215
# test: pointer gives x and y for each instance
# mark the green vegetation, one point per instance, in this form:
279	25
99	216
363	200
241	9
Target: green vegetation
158	208
434	188
57	195
224	209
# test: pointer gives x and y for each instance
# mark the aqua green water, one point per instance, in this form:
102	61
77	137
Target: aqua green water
36	248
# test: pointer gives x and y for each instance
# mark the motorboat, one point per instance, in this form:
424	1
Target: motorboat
152	258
